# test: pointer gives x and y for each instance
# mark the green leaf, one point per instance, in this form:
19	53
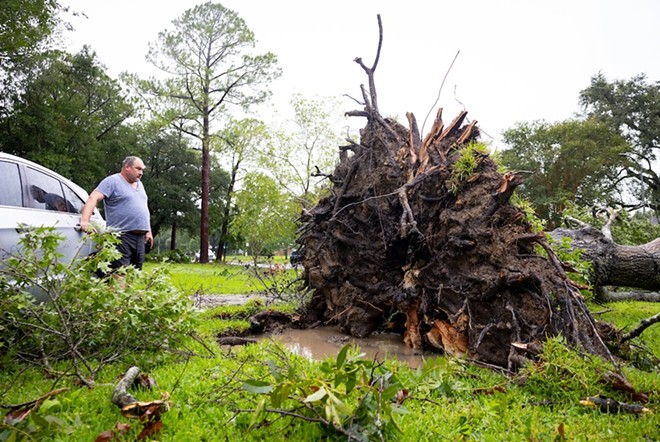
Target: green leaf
274	370
257	387
341	356
280	393
390	392
350	382
317	395
257	412
40	421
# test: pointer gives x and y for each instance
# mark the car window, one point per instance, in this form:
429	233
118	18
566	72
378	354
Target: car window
10	183
73	201
46	192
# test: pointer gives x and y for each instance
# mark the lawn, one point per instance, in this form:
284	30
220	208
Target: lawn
224	394
219	279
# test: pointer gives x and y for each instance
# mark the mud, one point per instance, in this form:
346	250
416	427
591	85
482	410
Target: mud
319	343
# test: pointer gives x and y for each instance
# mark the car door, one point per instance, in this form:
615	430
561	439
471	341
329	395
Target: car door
55	204
33	196
11	206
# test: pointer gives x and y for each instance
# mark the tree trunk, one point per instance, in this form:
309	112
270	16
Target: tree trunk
204	215
224	228
613	264
173	236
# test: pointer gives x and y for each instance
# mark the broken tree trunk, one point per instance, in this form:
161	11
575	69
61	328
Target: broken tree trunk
614	264
419	235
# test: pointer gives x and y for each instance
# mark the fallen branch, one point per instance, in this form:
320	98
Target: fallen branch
20	412
633	295
608	405
120	396
235	340
643	325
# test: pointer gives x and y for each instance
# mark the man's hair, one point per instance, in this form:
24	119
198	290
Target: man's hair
128	161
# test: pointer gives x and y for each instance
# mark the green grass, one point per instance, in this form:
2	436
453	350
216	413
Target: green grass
448	399
211	279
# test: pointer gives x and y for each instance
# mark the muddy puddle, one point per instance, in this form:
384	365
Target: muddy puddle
318	343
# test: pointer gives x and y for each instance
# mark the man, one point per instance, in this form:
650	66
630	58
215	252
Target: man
126	211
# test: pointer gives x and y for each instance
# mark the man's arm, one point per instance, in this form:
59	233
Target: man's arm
88	209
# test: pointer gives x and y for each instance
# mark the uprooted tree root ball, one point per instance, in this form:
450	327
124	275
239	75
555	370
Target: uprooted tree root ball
420	236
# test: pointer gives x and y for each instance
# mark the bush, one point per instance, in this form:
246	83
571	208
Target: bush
88	321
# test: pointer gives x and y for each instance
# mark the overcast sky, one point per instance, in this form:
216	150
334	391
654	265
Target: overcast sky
519	60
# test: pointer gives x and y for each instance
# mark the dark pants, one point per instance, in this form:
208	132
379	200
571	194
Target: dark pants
131	248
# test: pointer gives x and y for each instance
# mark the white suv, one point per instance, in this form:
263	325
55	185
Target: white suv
33	195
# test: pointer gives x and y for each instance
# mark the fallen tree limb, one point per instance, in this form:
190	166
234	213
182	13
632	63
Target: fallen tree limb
614	264
611	296
120	395
20	412
235	340
643	325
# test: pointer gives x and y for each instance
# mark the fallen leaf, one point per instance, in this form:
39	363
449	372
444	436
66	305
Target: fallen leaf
490	390
137	410
15	416
150	428
560	430
619	382
106	436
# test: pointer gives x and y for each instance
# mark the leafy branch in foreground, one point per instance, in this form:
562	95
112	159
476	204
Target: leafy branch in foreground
352	397
86	321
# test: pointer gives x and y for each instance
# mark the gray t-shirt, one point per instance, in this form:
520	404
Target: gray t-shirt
126	208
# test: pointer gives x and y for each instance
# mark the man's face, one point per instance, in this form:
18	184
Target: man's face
135	171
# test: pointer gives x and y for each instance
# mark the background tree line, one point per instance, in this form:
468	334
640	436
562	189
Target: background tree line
218	173
193	126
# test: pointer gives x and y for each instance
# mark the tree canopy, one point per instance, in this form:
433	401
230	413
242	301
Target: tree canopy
266	218
300	156
574	161
24	25
70	115
632	107
209	60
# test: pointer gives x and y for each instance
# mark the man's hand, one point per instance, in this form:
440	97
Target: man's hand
87	227
149	239
88	209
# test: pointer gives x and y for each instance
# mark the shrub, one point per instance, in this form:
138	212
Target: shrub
88	321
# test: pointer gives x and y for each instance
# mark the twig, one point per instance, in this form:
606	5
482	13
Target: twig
178	379
440	90
643	325
36	402
338	314
371	70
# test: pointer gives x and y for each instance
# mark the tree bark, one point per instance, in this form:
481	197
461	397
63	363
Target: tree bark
614	264
120	396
